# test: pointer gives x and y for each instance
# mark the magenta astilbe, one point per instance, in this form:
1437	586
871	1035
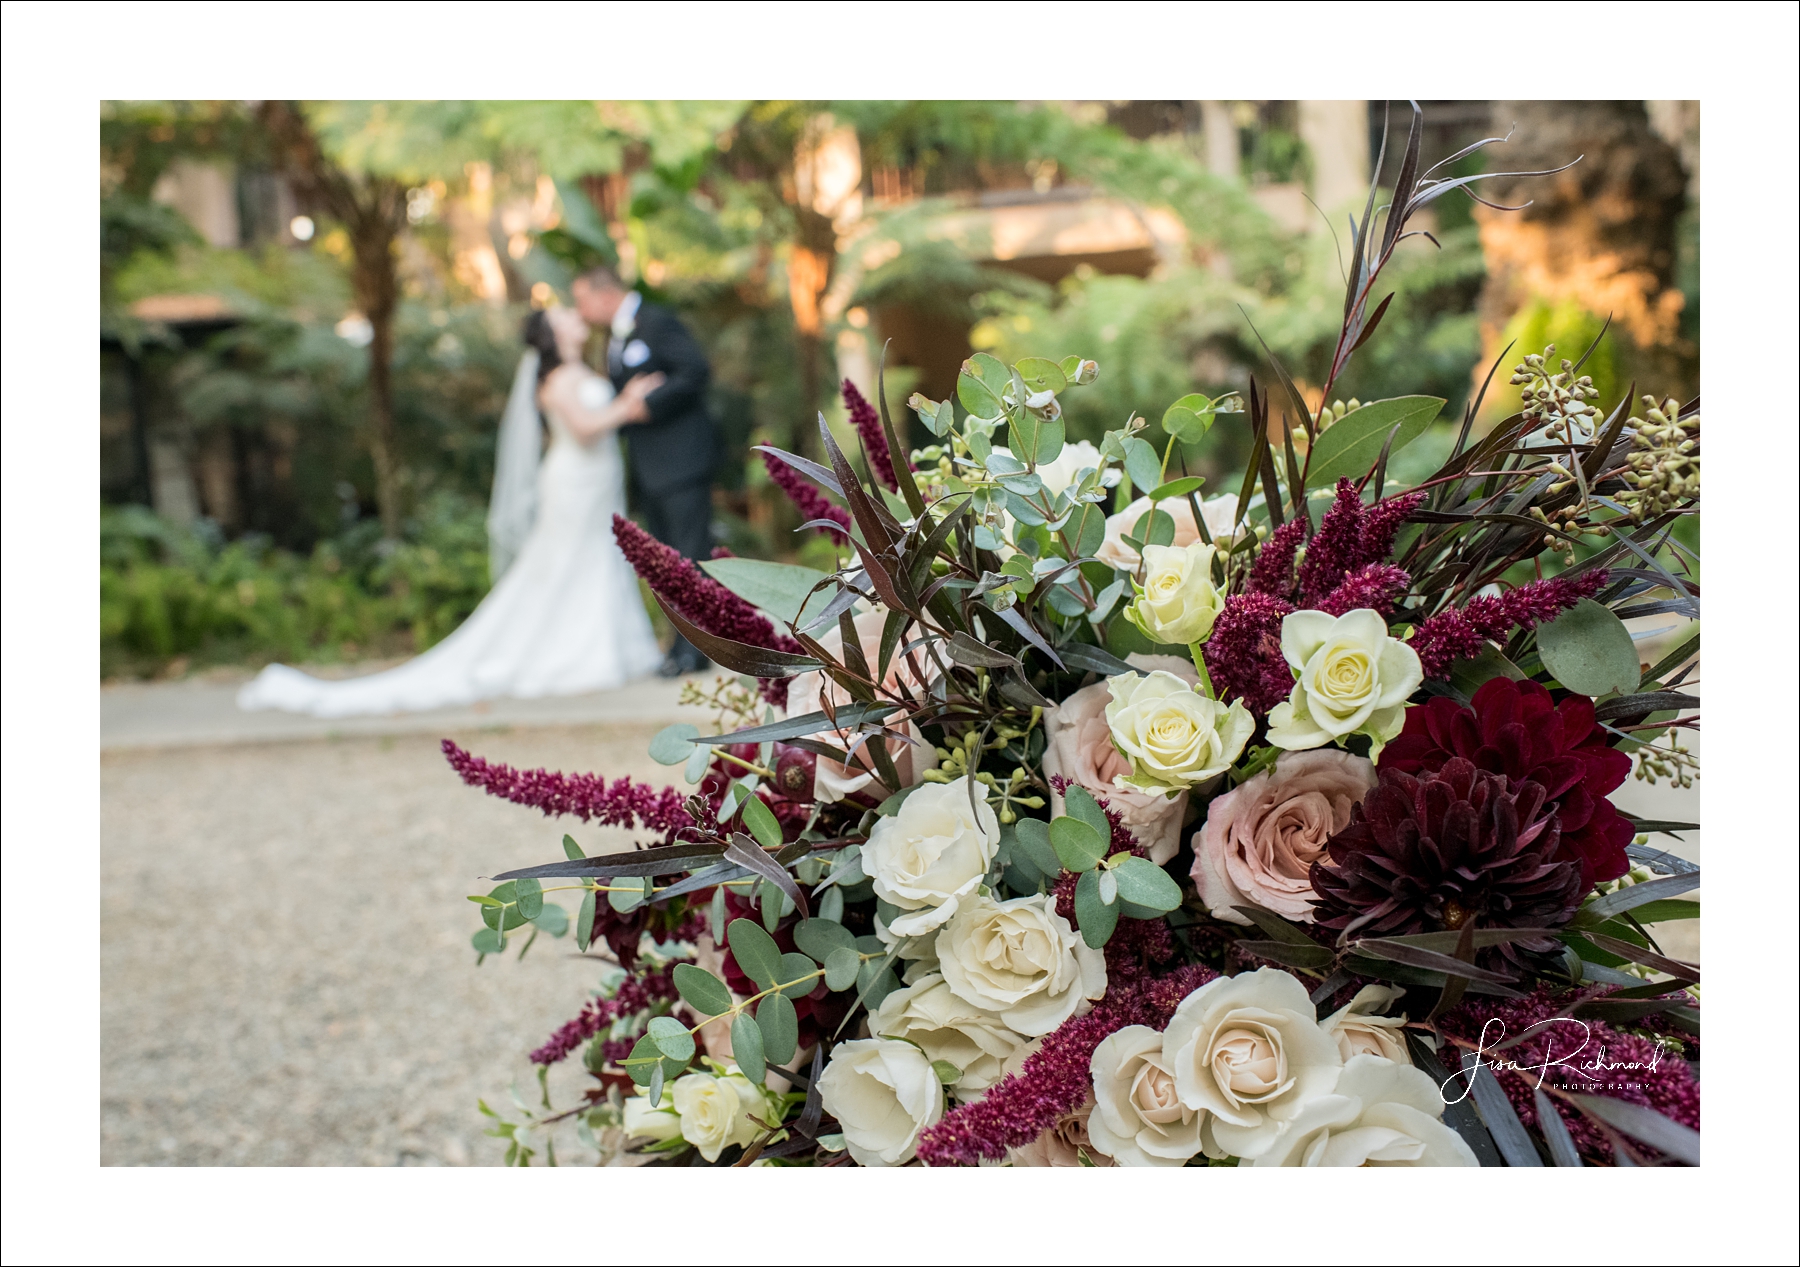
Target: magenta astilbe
1274	570
1381	522
1377	586
635	994
1243	656
1587	1057
874	440
701	599
1057	1078
1458	634
1335	548
585	796
809	501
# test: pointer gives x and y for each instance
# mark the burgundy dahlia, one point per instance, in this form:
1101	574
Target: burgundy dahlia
1513	728
1427	853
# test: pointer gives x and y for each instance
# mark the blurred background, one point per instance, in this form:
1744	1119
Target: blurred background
310	310
309	317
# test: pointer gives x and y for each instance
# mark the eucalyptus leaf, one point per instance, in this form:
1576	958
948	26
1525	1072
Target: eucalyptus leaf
673	745
1146	884
820	937
671	1038
529	894
760	819
1078	846
1142	464
841	967
552	919
781	589
1096	917
1032	838
701	990
1589	650
799	975
1080	803
756	953
584	921
747	1047
780	1027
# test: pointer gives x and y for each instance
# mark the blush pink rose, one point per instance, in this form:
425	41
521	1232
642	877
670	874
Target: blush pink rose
831	780
1260	839
1079	747
1063	1143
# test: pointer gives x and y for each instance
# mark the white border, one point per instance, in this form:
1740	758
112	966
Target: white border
60	60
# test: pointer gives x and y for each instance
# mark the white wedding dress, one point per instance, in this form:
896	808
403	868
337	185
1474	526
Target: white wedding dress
566	616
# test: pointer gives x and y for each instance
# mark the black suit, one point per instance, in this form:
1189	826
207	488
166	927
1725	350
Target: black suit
669	459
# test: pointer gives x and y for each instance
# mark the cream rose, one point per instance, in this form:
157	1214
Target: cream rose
1174	736
1261	838
1358	1031
1217	511
642	1120
1248	1051
883	1092
1139	1118
946	1028
1350	678
1063	1144
716	1110
832	781
1177	601
1079	747
1378	1114
931	854
1021	961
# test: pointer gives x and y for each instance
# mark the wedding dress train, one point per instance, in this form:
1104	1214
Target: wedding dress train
566	617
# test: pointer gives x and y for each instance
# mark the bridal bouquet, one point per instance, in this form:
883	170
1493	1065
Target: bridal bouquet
1086	817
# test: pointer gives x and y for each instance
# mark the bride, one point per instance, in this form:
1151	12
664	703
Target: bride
565	615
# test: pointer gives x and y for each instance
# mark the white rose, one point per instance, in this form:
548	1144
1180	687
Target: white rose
642	1120
1248	1051
946	1028
1138	1118
716	1111
1350	678
1079	747
883	1092
1177	601
1021	961
1218	512
835	782
1378	1114
1174	736
931	854
1359	1032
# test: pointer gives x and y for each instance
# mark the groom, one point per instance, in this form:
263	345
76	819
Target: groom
670	447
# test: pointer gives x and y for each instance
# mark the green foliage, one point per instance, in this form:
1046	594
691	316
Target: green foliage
165	592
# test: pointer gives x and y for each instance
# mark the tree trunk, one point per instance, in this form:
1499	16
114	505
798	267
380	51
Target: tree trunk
376	286
372	210
1598	240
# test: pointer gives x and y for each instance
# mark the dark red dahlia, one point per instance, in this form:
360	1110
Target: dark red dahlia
1435	852
1514	729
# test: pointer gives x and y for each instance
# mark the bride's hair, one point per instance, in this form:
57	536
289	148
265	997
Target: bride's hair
542	339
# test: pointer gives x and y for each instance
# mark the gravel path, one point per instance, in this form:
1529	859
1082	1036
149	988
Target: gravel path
285	964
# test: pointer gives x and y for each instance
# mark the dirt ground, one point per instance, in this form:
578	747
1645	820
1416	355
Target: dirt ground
285	962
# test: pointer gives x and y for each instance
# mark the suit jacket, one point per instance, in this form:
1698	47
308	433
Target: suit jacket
679	443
